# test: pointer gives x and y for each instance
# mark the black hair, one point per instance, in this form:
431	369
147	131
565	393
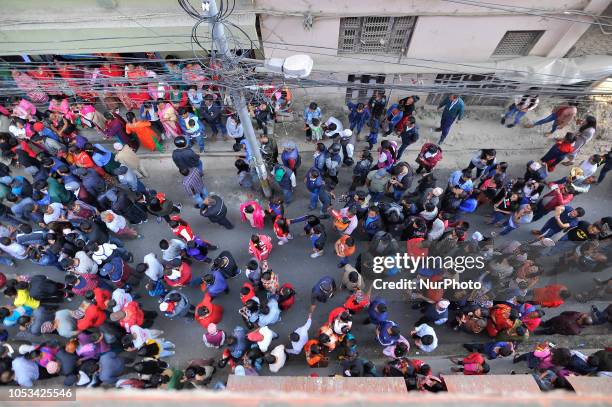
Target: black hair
427	340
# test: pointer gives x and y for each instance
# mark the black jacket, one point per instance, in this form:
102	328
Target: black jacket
216	211
185	158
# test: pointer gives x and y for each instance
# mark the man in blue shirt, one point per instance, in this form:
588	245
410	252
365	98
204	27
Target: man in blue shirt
453	110
461	179
565	217
377	311
388	333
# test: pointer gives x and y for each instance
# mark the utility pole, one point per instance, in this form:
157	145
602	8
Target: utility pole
238	99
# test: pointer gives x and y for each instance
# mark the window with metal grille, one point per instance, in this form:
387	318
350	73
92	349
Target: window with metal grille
517	43
375	35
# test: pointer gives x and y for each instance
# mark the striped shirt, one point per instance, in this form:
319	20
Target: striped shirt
193	183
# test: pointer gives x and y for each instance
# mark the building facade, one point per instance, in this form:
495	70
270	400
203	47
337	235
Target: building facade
426	41
356	44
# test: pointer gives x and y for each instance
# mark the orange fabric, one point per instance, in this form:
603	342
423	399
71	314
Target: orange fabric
549	296
144	132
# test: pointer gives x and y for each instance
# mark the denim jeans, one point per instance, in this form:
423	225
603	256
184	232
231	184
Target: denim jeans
167	349
356	127
550	118
514	111
314	199
6	261
198	138
498	217
288	196
199	197
507	228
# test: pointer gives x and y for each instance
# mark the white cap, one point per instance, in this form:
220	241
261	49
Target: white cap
477	236
534	166
117	146
437	191
163	306
346	133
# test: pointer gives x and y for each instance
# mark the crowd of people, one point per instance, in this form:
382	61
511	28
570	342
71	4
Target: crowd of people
70	206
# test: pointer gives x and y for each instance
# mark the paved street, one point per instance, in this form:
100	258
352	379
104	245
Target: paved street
293	264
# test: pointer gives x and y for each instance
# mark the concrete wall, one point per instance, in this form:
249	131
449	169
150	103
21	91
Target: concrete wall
472	39
594	41
444	31
413	7
68	26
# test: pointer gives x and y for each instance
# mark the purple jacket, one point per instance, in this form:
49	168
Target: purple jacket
116	128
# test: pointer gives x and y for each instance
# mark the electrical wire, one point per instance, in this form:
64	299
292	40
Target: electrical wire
515	9
239	73
291	47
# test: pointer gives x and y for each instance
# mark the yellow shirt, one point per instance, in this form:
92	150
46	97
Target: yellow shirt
23	298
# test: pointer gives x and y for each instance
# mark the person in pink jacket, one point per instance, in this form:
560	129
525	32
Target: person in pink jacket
252	212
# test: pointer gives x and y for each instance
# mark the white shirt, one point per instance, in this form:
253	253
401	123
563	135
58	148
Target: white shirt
296	347
141	335
353	222
117	223
58	212
281	358
17	132
268	335
86	264
588	168
15	250
233	129
155	270
339	127
104	252
174	249
423	330
121	298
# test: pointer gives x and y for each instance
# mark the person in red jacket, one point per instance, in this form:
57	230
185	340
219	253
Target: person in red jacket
501	318
559	151
286	297
334	313
472	364
357	302
260	247
560	195
551	296
429	157
181	228
247	291
94	317
179	275
101	296
207	313
130	315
